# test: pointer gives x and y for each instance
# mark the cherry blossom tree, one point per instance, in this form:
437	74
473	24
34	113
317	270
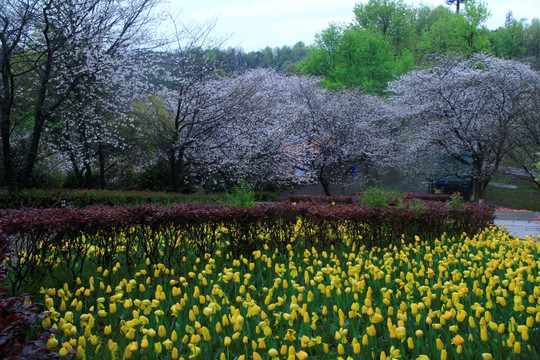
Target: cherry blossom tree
292	131
186	104
50	48
463	109
94	128
264	127
249	146
342	134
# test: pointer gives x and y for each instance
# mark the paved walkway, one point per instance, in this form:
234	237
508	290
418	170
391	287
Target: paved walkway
519	224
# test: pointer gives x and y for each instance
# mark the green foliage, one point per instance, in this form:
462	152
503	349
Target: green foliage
364	60
379	197
456	201
393	20
471	32
510	42
390	38
416	205
241	195
352	58
462	33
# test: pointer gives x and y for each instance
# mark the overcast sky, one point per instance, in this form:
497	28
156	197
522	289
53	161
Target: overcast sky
255	24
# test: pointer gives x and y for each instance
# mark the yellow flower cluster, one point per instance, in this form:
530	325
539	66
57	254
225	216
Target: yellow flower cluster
449	298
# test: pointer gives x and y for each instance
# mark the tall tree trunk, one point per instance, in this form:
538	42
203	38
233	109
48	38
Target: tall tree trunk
78	172
101	159
31	156
88	176
173	171
39	122
477	178
325	184
5	120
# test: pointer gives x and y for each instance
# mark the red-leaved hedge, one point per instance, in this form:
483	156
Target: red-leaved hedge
41	237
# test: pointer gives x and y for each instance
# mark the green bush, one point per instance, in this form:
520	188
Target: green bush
241	195
416	205
456	201
380	197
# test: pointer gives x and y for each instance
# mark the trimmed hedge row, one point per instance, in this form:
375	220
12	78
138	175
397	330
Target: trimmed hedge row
357	196
47	198
42	237
320	199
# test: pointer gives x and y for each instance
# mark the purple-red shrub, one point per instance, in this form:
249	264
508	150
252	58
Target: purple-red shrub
176	230
18	320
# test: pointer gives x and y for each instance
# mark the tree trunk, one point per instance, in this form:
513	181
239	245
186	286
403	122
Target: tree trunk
31	156
88	183
477	178
173	171
101	158
326	186
5	113
39	121
78	172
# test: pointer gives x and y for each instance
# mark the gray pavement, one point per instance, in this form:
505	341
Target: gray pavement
519	224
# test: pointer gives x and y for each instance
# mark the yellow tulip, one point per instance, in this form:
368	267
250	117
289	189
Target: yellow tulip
371	331
401	333
458	340
168	344
273	352
130	335
52	343
80	352
134	346
113	346
483	333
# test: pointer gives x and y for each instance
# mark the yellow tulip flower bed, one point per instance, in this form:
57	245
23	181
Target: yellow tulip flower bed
450	298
